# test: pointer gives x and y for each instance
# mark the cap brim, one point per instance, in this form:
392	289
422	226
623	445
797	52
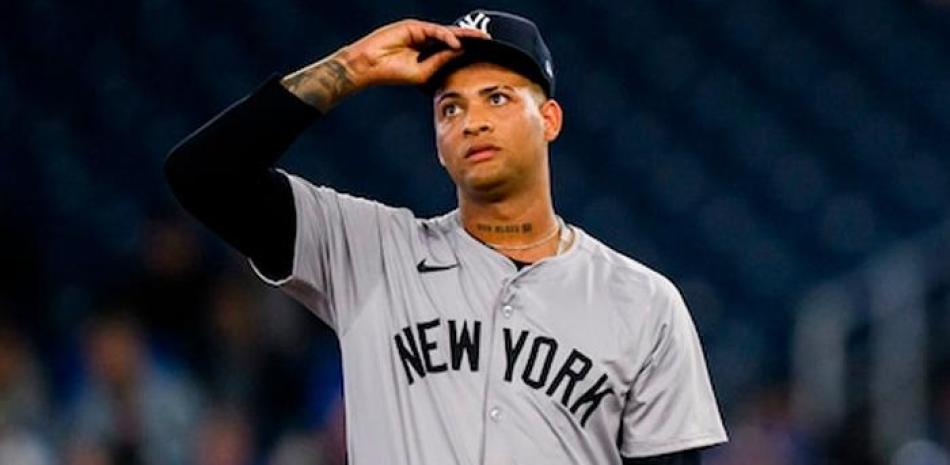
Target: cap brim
475	50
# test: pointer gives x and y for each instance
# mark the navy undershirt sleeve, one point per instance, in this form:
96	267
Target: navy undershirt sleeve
223	174
686	457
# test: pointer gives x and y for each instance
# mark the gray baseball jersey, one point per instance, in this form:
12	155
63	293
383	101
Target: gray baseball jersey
451	355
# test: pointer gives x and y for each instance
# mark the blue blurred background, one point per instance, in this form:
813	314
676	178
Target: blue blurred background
784	162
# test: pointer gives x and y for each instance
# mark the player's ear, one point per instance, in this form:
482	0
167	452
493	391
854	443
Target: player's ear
441	160
553	118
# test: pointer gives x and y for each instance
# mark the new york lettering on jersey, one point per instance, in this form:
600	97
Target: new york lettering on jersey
529	359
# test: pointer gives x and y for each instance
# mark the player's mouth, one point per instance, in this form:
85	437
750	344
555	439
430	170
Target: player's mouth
481	152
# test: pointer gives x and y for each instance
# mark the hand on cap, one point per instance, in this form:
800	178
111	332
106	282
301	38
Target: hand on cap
405	52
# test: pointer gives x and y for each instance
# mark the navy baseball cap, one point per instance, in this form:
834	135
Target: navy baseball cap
515	43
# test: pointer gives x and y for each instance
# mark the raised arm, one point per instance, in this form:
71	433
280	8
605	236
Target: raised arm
395	54
224	174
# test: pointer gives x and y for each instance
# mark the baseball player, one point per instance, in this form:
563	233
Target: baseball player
496	333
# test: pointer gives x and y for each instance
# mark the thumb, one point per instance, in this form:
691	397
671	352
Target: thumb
430	65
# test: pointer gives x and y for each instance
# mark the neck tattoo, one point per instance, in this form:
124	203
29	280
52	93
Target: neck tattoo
555	230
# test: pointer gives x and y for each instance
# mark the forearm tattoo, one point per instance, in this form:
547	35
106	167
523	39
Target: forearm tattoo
322	85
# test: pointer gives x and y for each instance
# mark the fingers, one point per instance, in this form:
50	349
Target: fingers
468	32
421	31
430	65
432	58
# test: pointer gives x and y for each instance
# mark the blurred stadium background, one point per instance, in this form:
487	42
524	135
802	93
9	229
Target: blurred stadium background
785	162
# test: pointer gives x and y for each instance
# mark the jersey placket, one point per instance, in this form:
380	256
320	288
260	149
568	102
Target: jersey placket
497	404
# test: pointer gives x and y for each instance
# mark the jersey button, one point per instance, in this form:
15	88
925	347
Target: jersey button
495	414
507	310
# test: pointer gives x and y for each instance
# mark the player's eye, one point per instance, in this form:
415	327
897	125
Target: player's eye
498	98
450	109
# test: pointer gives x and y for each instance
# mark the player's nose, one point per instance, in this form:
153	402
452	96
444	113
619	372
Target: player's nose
477	121
474	127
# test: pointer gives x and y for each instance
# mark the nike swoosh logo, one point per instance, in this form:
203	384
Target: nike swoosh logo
423	268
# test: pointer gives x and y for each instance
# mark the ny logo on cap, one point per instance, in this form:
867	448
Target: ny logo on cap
478	22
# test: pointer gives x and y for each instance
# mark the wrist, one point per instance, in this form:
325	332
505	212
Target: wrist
322	85
355	65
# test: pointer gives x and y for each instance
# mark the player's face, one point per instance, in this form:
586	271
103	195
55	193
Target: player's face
492	129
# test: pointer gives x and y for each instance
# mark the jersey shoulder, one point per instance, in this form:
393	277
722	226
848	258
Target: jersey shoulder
301	187
624	269
442	224
643	301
